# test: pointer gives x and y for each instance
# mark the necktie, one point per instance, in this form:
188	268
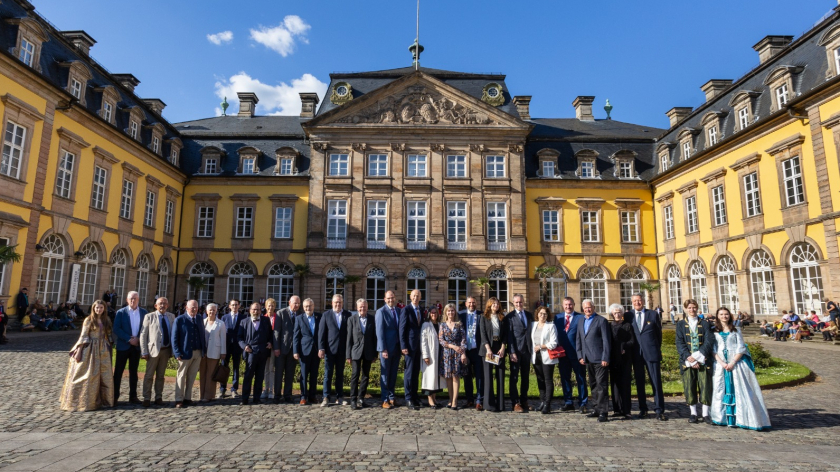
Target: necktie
522	317
417	311
639	320
164	330
568	321
338	320
394	313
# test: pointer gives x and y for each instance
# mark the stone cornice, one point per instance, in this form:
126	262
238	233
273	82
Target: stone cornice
746	161
786	144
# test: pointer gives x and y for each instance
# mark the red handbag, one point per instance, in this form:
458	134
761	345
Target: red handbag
557	352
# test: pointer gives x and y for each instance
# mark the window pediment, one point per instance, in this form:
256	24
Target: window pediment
743	96
781	73
712	118
687	133
548	153
208	151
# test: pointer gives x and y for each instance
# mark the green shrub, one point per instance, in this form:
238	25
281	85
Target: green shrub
760	355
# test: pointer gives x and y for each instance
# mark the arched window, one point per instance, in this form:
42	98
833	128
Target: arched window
163	278
117	281
333	285
241	283
143	278
806	278
457	289
202	283
699	290
675	287
374	289
88	274
763	285
631	280
281	283
727	285
593	285
416	280
499	287
51	271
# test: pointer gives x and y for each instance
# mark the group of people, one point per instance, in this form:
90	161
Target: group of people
795	327
441	347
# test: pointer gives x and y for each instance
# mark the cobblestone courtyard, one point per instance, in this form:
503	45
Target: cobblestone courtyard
36	435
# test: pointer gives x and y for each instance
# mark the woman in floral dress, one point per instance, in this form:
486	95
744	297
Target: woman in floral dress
89	384
453	340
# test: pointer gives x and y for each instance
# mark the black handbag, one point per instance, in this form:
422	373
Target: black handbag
221	373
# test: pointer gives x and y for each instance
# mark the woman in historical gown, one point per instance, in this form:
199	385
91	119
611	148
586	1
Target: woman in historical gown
736	396
89	384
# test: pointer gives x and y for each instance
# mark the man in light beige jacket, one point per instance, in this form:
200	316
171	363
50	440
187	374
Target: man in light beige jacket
156	349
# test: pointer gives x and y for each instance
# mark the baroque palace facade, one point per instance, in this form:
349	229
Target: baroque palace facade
427	179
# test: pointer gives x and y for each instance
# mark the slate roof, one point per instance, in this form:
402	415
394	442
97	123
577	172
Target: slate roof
191	157
236	126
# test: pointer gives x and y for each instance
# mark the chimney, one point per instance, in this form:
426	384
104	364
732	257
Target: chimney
308	102
247	104
523	106
126	80
770	46
81	40
677	114
155	104
714	87
583	108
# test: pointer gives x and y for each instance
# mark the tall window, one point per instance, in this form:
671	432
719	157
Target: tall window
416	280
719	204
334	285
456	226
713	135
664	162
837	59
125	201
587	169
691	214
132	129
495	167
762	283
744	117
630	226
88	274
631	280
669	222
548	169
416	225
143	278
337	224
792	172
699	290
13	141
204	291
593	285
806	279
457	288
283	222
149	214
416	165
64	177
686	150
281	283
156	145
556	292
245	222
27	52
287	166
169	217
339	165
376	221
551	225
378	165
107	111
117	279
374	288
782	95
248	166
173	157
206	215
210	166
499	287
97	195
675	287
241	283
752	194
589	223
163	279
496	226
456	166
625	170
727	284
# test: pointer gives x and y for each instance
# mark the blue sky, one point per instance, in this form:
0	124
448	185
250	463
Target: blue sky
646	57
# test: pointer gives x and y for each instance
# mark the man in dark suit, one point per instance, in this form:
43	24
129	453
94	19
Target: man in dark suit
21	303
469	321
410	323
332	342
566	323
127	325
284	361
593	342
232	322
388	346
648	355
694	337
188	347
255	341
361	351
305	349
519	331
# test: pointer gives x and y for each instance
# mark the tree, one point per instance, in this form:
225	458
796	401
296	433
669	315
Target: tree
649	288
8	254
197	284
543	273
352	280
302	271
481	283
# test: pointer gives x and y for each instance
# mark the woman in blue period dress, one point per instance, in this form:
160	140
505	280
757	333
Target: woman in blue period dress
453	340
736	396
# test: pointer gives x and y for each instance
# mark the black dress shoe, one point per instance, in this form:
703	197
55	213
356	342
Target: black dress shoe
602	418
277	400
244	402
692	419
287	399
546	409
540	406
594	414
628	416
455	408
257	401
617	414
356	405
583	410
568	407
412	405
707	420
662	417
643	415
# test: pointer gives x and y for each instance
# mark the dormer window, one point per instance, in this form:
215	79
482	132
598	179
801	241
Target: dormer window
713	135
664	162
210	159
548	169
548	162
156	145
135	119
625	170
743	104
587	170
27	52
686	150
173	157
248	160
586	164
108	112
210	166
830	40
686	137
711	124
132	129
782	95
110	97
30	37
286	166
78	76
248	166
624	164
175	146
76	88
286	158
743	118
780	82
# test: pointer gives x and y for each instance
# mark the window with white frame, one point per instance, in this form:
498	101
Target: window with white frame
248	166
499	287
664	162
156	145
456	166
377	165
456	292
675	287
27	52
149	214
126	199
589	225
64	176
173	157
625	170
76	88
587	169
713	135
283	222
699	290
143	278
593	285
495	167
630	226
132	129
792	173
376	222
691	214
163	279
210	166
497	226
51	270
719	205
339	165
456	225
416	165
630	283
334	284
686	150
727	284
117	279
169	217
88	274
806	278
669	222
206	217
551	225
743	117
287	166
204	293
416	225
241	283
107	111
244	222
336	224
548	169
281	283
556	288
837	59
374	288
416	280
762	283
782	95
752	194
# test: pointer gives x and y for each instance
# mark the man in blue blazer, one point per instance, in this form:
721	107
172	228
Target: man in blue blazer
475	369
332	344
127	324
593	340
188	347
519	332
410	323
305	349
566	323
648	356
233	357
387	322
255	340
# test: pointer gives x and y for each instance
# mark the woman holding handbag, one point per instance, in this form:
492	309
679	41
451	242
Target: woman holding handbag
89	384
544	339
215	333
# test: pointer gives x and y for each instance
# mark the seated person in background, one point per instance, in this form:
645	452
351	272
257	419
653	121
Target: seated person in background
830	331
802	331
794	318
766	328
812	319
65	319
782	330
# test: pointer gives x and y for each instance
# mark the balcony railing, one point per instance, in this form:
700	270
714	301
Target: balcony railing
456	246
373	244
336	243
417	245
497	245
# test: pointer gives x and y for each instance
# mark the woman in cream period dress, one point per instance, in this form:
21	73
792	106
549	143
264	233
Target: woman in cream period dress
89	384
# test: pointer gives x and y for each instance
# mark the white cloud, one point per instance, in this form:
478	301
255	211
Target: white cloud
280	99
282	37
219	38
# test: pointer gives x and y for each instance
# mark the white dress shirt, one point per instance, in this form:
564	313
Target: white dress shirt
134	315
